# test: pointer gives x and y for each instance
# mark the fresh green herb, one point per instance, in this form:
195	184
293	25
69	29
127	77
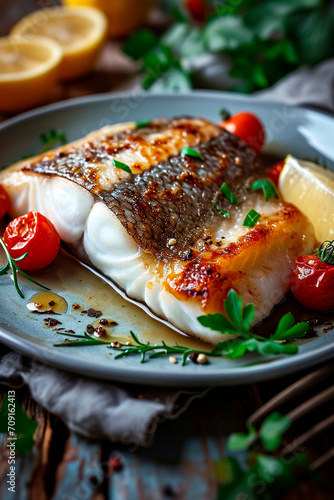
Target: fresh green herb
156	351
224	114
326	252
251	218
238	322
88	340
191	152
271	431
228	193
225	214
276	475
263	40
49	139
13	267
239	441
266	476
143	124
267	187
24	427
119	164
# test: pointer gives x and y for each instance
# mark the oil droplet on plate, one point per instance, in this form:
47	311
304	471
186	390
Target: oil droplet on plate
47	302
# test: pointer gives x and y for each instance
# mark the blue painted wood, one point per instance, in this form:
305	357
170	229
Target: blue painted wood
81	472
191	477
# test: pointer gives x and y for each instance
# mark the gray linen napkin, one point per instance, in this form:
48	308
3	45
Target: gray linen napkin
305	86
133	413
97	409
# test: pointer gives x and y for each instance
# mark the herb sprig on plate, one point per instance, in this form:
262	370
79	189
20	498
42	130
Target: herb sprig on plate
238	322
11	265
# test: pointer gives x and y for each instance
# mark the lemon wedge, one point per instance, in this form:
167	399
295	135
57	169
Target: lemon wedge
80	32
123	15
28	72
311	189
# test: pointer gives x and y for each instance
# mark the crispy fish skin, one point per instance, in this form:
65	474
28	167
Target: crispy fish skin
89	162
172	199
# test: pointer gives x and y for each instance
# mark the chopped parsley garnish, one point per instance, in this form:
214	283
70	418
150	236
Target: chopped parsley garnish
191	152
228	193
267	187
251	218
143	124
225	214
122	166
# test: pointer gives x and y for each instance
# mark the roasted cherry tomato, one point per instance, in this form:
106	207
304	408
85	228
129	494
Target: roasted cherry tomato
32	233
247	127
275	172
4	202
312	282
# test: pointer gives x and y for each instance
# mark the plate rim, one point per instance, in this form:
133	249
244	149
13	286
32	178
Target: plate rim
125	373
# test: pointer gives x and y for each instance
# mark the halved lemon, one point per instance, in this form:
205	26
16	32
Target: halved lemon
311	189
80	32
28	72
123	15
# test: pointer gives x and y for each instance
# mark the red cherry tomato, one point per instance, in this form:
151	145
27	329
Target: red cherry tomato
196	8
4	202
247	127
32	233
312	283
275	172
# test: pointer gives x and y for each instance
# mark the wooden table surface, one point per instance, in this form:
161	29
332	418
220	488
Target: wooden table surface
64	466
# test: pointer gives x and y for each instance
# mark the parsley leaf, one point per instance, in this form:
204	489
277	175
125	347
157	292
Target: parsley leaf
141	124
191	152
238	322
228	193
251	218
272	429
267	187
122	166
239	441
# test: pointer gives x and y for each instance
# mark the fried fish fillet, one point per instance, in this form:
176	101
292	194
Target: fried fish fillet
156	232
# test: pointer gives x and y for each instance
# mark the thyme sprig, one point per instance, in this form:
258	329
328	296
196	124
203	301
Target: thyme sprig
158	350
88	340
11	265
326	252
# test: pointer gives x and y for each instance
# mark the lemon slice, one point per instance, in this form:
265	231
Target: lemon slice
28	72
80	32
123	15
311	189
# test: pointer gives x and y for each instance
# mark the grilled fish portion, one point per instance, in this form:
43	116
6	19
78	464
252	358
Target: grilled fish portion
156	233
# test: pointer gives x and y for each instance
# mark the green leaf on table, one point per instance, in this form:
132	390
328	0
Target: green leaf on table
239	441
272	430
140	43
24	427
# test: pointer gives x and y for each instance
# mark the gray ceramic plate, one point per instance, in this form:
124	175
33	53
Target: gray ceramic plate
304	133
